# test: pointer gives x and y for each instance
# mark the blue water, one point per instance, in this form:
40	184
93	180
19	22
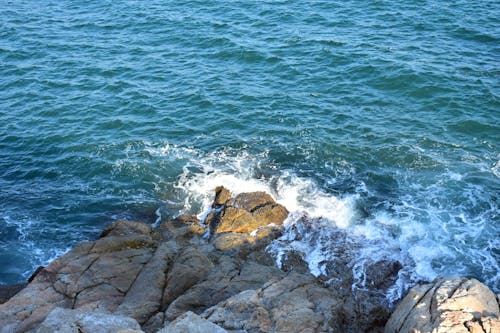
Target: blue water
381	118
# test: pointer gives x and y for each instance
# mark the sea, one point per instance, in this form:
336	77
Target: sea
379	119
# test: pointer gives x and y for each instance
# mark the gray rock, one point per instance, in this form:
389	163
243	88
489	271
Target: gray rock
447	305
192	323
296	303
74	321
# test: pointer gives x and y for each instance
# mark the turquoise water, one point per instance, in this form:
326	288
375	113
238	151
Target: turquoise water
381	118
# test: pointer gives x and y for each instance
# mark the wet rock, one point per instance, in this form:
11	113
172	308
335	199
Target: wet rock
73	321
249	211
382	274
447	305
191	322
155	276
7	291
222	195
294	261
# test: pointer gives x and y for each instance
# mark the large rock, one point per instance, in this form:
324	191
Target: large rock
293	304
229	276
245	213
74	321
93	275
447	305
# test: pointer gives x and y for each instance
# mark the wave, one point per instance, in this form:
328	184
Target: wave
426	241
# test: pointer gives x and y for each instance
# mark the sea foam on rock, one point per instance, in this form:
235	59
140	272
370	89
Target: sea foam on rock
173	278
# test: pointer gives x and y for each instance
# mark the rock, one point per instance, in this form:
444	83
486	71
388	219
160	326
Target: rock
74	321
190	267
151	277
245	243
247	212
182	227
155	323
7	291
126	228
93	275
192	323
144	297
382	274
293	304
222	195
228	277
447	305
294	260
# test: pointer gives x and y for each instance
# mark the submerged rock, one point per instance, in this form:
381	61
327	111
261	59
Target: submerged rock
447	305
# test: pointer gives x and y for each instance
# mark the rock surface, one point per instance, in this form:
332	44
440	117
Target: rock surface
6	292
74	321
192	323
174	278
447	305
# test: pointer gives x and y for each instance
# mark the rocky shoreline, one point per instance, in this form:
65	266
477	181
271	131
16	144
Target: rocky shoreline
183	276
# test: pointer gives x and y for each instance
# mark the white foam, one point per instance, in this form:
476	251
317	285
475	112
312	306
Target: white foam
417	230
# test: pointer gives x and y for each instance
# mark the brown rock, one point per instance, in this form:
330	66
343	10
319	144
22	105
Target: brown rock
92	275
184	226
222	195
453	305
126	228
247	212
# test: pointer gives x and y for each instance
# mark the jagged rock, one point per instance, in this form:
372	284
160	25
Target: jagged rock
294	260
74	321
249	211
93	275
293	304
189	268
192	323
145	295
447	305
382	274
228	277
222	195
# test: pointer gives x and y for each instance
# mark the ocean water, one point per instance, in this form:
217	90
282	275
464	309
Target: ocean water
379	118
